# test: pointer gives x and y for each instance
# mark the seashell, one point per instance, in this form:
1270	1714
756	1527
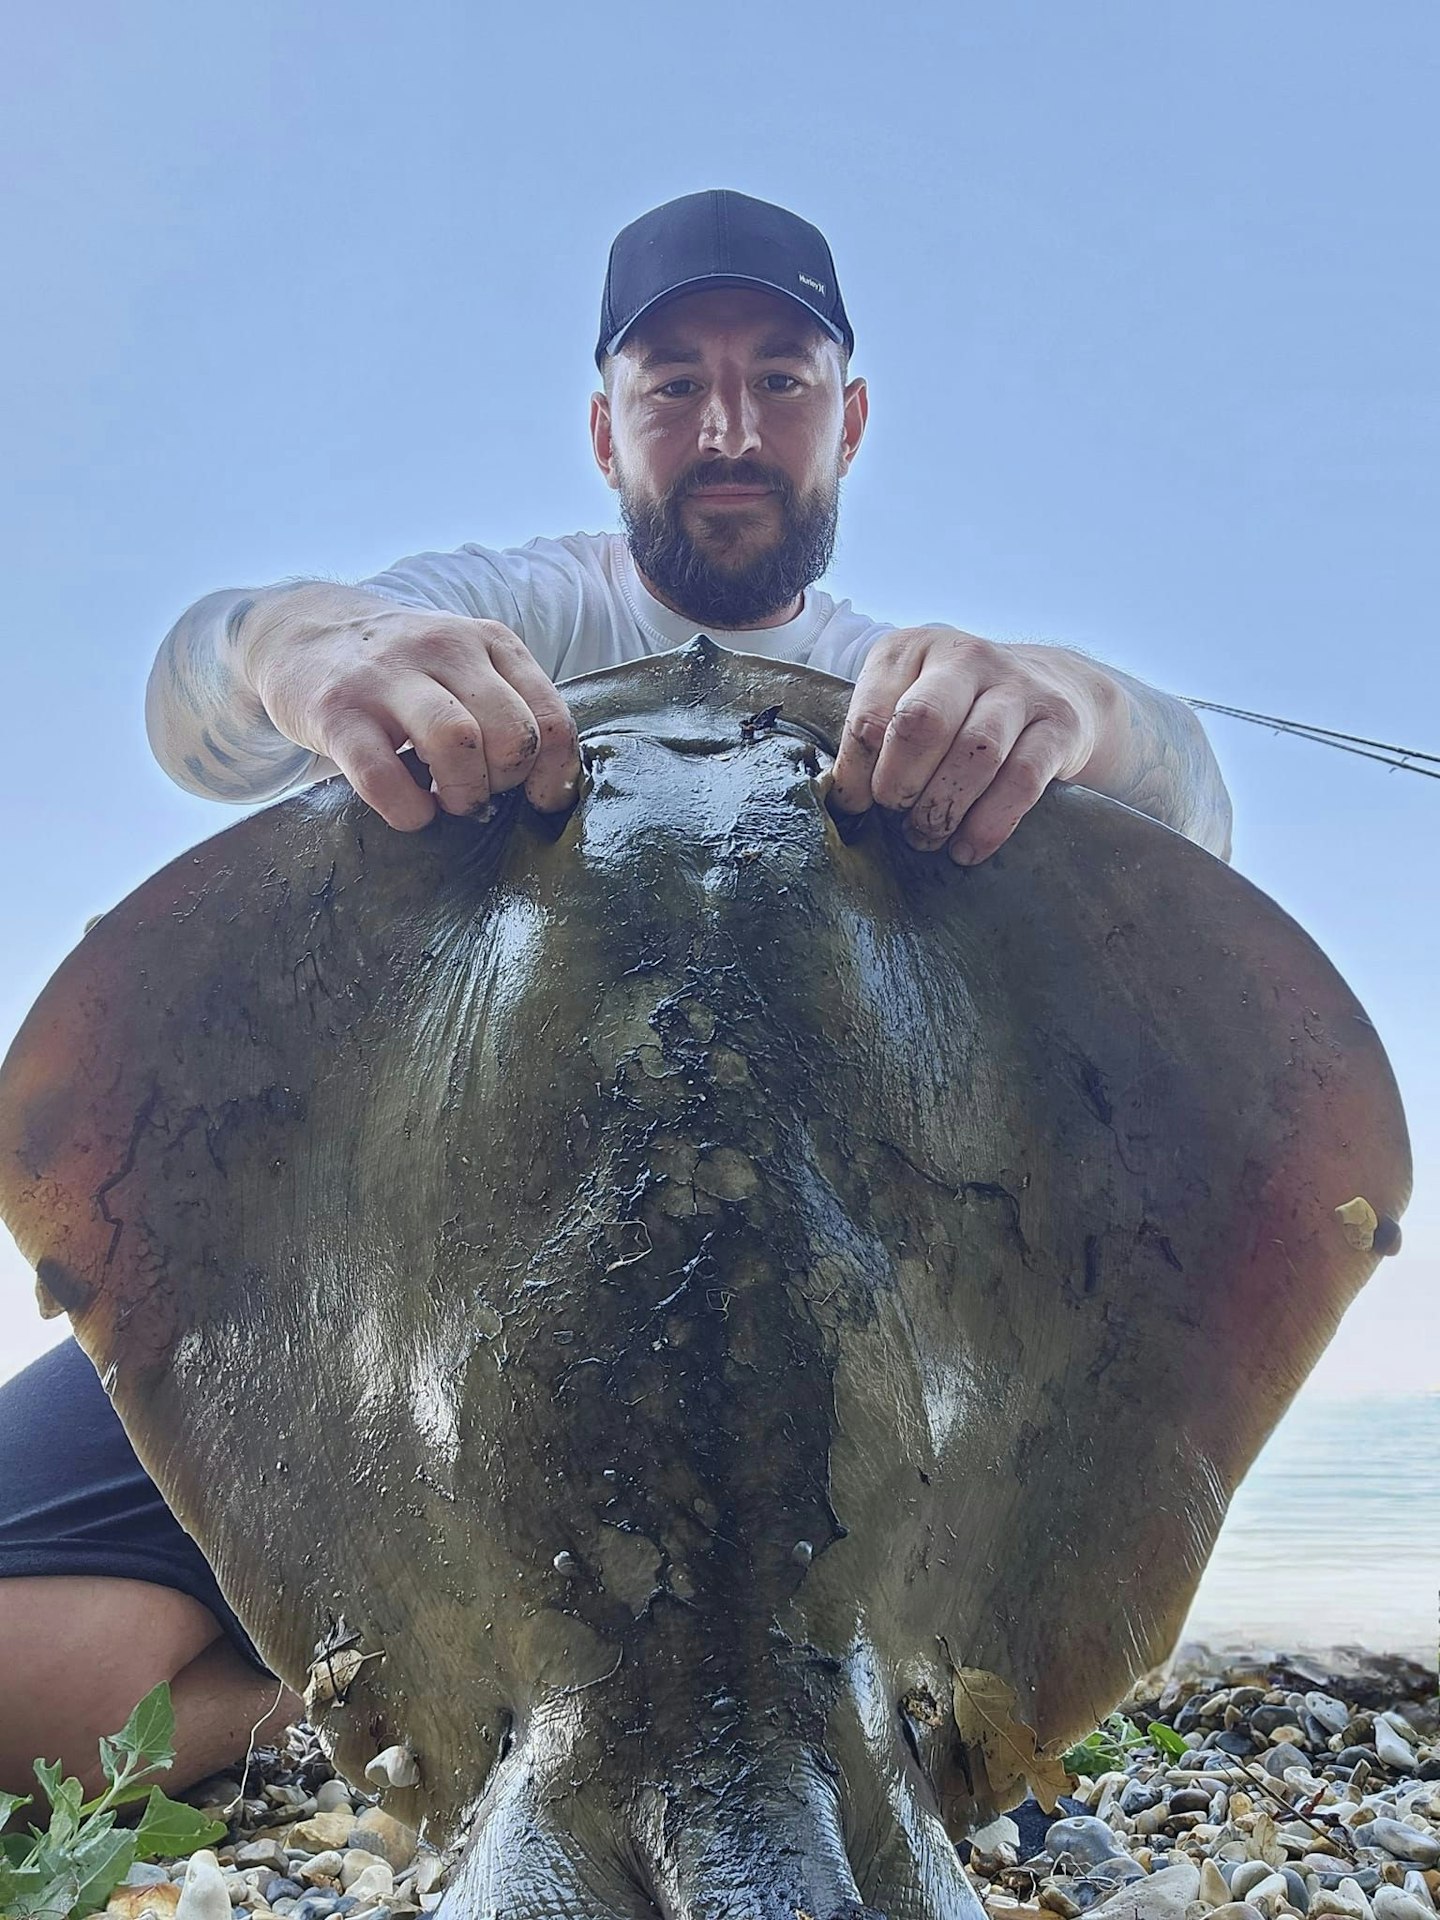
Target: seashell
393	1767
1358	1221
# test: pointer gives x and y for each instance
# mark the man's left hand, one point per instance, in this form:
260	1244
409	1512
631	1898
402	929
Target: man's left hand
963	736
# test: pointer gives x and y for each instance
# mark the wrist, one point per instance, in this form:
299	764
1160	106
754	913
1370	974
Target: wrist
250	630
1102	703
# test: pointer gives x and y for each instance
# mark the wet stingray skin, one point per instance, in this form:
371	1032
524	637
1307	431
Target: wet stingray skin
661	1276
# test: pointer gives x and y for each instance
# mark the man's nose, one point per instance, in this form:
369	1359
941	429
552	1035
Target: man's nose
730	426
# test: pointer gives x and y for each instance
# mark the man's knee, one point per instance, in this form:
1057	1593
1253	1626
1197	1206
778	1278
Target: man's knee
78	1651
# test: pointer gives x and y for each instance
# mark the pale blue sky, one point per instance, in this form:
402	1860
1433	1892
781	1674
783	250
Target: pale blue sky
1148	297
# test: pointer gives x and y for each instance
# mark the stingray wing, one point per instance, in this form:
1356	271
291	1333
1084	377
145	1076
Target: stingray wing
181	1120
1109	1101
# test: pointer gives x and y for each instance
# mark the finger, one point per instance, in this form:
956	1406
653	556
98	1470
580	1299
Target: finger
927	718
365	753
450	740
976	755
553	779
1034	761
883	678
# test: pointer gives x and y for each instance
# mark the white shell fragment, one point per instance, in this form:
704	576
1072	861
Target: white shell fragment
394	1767
332	1676
1358	1220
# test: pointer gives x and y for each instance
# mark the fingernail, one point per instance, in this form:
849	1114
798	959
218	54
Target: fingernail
962	853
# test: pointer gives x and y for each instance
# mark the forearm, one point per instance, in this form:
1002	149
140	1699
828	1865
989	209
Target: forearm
207	725
1153	755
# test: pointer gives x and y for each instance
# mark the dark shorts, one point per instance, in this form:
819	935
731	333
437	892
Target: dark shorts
75	1500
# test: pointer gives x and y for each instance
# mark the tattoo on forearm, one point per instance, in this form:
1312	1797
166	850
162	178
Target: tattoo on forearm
208	732
1173	775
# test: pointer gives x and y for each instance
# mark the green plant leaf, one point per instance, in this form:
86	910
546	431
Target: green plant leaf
168	1828
1166	1738
15	1850
47	1772
1106	1749
132	1791
101	1861
66	1800
11	1803
45	1888
149	1734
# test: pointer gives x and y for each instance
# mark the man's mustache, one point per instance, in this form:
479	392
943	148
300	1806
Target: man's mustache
730	473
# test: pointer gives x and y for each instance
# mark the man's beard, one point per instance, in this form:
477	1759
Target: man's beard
754	585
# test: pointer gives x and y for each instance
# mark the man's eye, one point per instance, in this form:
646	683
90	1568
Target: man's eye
678	389
781	383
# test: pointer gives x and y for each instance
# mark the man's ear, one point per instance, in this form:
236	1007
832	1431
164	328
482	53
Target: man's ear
600	440
857	412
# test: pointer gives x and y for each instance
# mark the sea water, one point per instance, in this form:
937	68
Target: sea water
1334	1535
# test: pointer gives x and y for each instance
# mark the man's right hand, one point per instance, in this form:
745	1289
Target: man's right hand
355	679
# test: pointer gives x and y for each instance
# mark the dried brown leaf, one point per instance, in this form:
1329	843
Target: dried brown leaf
985	1716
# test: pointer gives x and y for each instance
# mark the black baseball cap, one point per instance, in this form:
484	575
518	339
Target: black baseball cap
718	239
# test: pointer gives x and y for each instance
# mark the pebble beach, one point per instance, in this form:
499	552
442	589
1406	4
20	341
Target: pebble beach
1307	1786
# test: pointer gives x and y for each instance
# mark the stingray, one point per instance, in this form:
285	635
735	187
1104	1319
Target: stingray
725	1338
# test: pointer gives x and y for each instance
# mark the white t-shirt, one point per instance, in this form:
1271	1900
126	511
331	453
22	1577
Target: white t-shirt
578	603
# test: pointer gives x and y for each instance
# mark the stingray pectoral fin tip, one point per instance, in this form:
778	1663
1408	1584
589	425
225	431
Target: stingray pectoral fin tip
1367	1230
58	1290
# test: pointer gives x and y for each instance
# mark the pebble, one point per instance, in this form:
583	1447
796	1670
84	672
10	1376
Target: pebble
1393	1903
1405	1842
333	1795
1273	1887
204	1894
262	1853
1161	1896
1267	1719
1086	1839
154	1900
1212	1890
376	1882
1137	1797
1332	1714
379	1832
1236	1910
1247	1876
1393	1749
321	1830
1190	1800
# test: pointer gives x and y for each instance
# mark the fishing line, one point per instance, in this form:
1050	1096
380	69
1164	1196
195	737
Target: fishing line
1397	758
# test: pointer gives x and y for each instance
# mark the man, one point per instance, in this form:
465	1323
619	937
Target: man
727	420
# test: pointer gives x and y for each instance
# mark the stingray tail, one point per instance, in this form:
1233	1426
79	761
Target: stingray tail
757	1840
